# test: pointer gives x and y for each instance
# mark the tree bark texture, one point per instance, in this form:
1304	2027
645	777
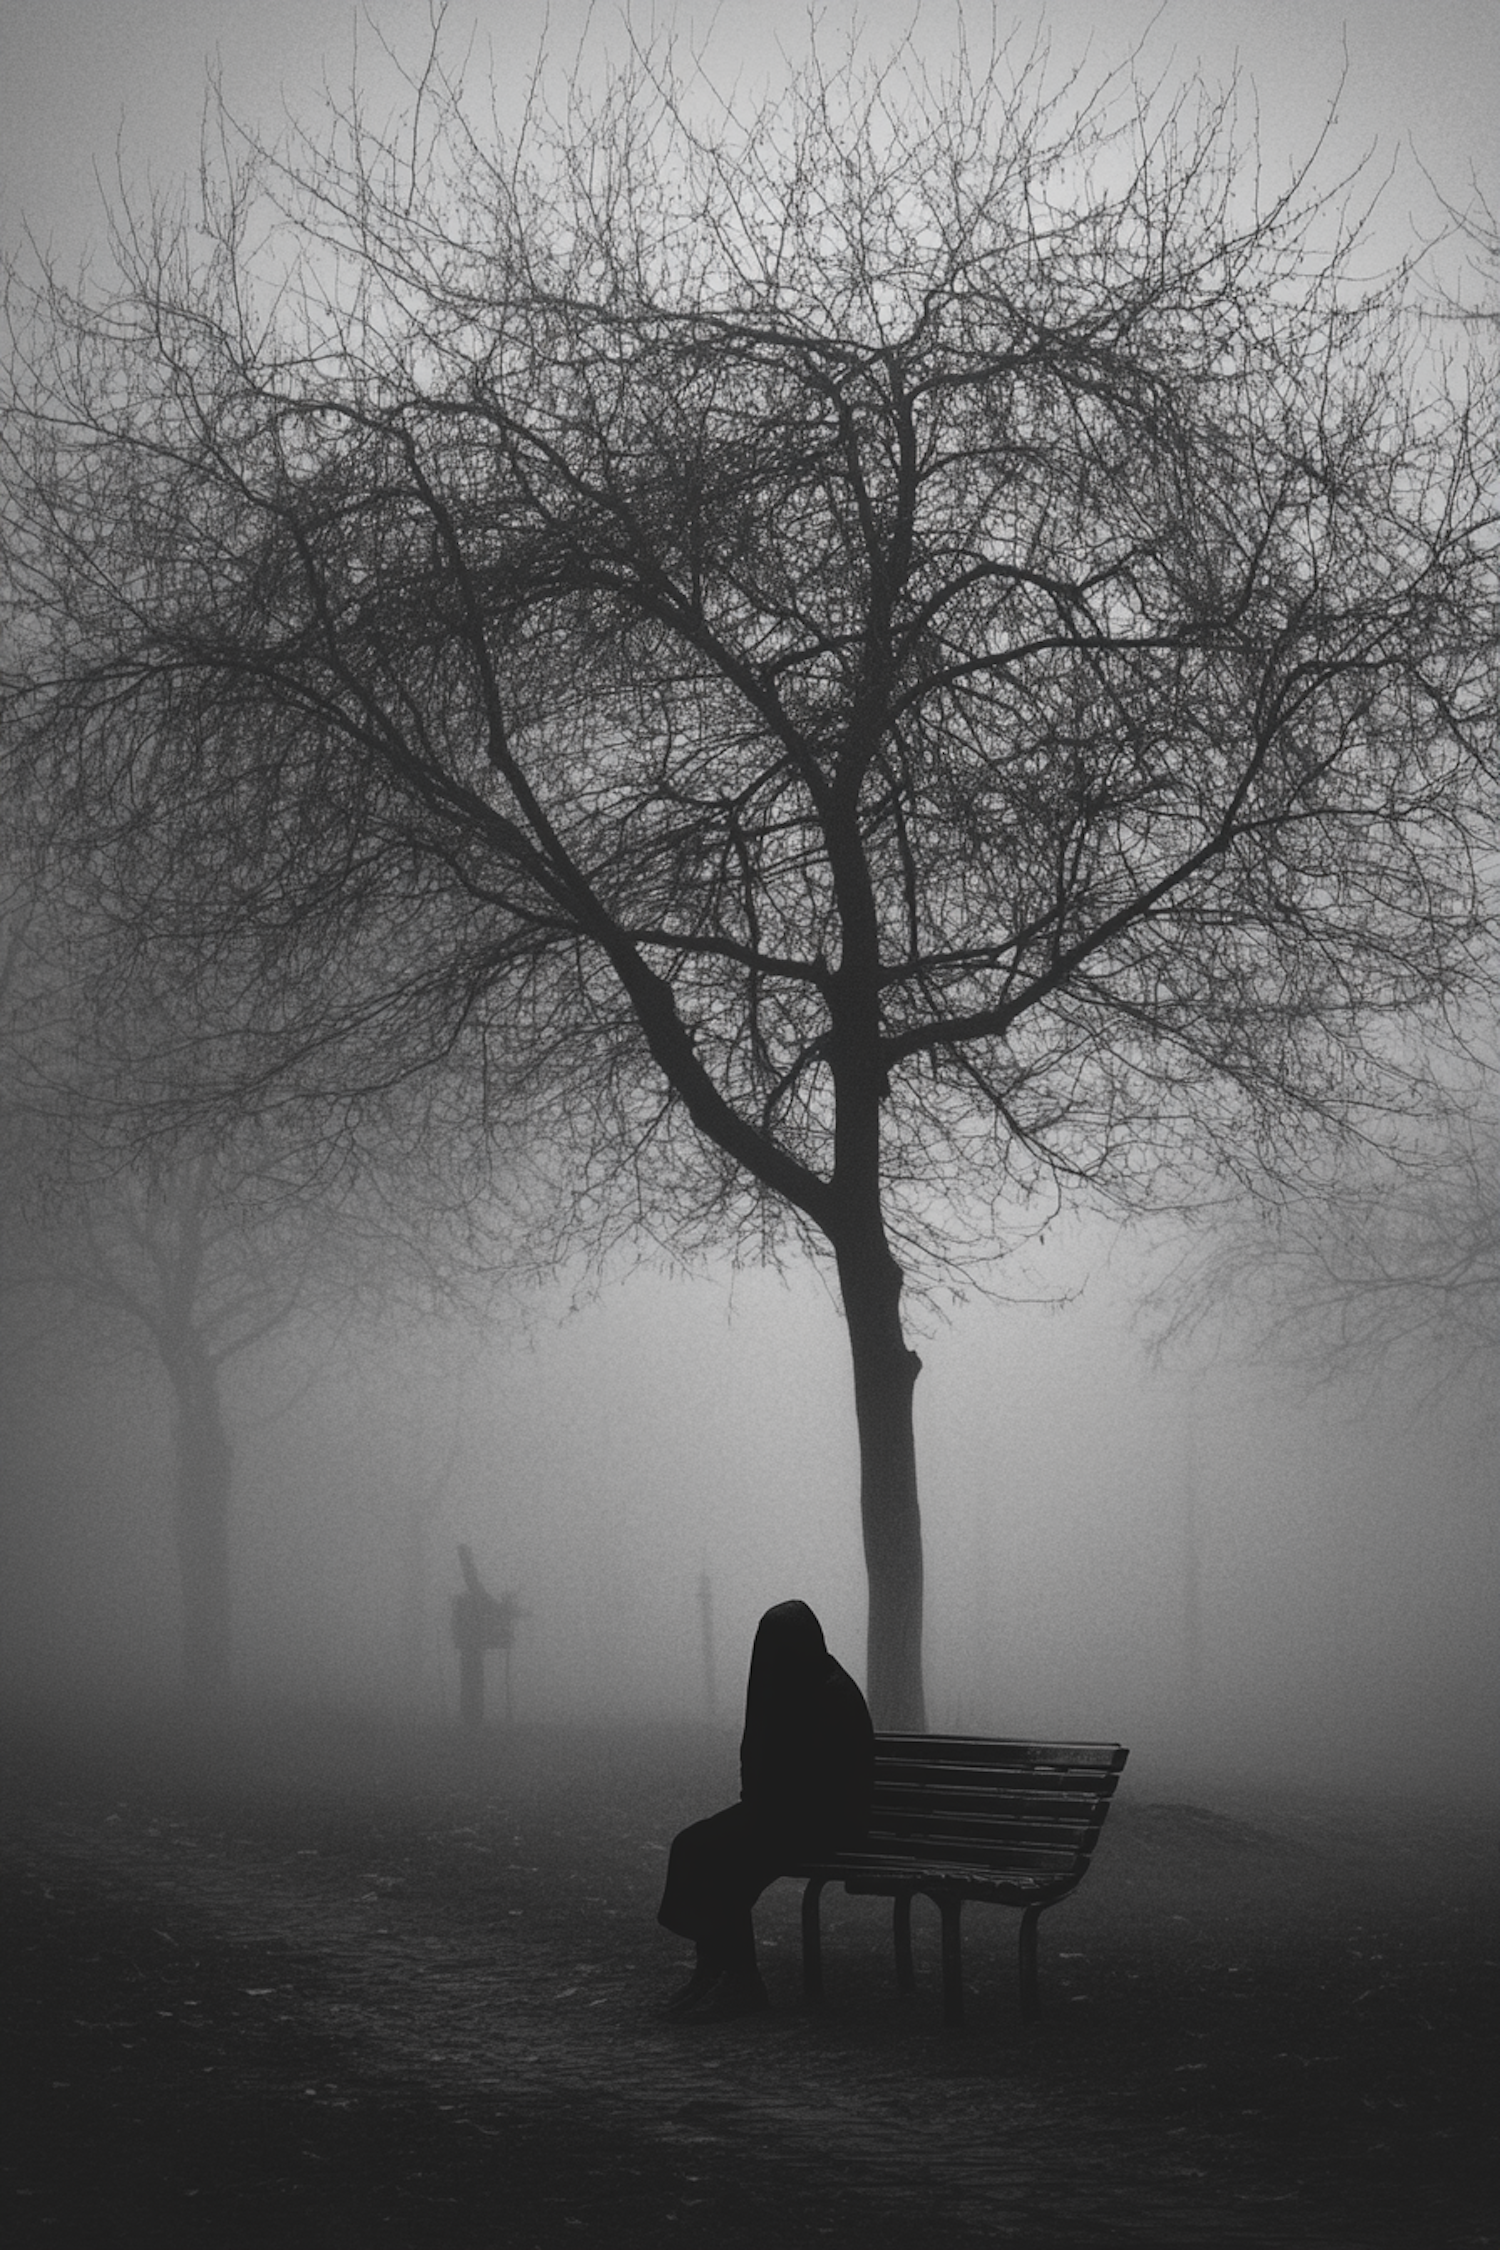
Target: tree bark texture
885	1374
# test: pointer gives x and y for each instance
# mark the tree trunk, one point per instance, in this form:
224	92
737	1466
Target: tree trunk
885	1374
201	1521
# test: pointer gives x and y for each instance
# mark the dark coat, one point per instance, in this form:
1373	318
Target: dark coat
807	1758
807	1768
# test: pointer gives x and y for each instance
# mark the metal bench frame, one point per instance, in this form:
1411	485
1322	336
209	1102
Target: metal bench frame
961	1817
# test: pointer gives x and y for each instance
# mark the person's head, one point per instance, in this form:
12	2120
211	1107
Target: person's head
790	1653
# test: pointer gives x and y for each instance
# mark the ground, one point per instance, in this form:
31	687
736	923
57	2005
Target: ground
337	1984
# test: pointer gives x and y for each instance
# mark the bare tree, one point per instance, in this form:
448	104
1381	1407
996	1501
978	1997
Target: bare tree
1384	1262
171	1260
192	1246
893	659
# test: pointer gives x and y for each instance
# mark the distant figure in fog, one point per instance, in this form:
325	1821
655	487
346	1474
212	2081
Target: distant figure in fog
481	1621
807	1766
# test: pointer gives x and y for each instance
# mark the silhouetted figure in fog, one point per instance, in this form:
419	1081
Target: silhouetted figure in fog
481	1621
807	1766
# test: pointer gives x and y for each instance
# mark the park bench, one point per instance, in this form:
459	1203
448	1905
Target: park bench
958	1817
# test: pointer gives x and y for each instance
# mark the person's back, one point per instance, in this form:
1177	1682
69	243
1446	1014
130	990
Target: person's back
807	1768
807	1758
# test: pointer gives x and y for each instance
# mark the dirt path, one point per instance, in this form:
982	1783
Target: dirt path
369	1989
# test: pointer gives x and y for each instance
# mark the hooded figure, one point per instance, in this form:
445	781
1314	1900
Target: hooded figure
807	1765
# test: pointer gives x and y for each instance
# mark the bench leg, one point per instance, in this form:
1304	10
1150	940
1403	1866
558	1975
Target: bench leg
951	1910
906	1975
1028	1963
812	1940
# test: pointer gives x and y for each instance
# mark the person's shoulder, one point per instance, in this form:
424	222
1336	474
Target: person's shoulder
844	1689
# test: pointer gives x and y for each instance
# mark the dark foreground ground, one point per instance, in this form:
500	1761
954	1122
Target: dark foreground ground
322	1987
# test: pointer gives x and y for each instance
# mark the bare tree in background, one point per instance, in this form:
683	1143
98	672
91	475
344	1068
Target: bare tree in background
892	660
1385	1261
192	1247
172	1260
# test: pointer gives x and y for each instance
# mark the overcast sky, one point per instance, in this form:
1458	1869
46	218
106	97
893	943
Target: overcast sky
81	79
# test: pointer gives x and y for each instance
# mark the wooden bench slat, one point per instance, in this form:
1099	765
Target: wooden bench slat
998	1820
988	1811
985	1811
1017	1889
907	1870
986	1804
1036	1781
999	1843
955	1851
998	1750
940	1866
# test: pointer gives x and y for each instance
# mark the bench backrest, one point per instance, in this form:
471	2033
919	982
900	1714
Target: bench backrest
1034	1807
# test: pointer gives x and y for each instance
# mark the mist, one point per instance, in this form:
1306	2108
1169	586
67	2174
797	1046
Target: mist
872	613
1227	1565
1231	1570
1219	1563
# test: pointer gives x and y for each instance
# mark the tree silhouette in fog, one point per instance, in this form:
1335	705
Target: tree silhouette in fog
168	1259
194	1245
880	663
1385	1262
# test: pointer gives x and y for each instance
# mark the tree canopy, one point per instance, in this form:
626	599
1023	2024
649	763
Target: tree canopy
870	661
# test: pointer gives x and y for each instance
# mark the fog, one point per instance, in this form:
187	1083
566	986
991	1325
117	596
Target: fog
1221	1565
